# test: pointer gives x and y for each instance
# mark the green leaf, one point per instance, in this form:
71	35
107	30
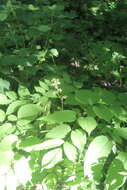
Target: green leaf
28	111
4	100
7	142
61	116
3	15
6	157
114	177
121	132
14	106
39	89
4	84
23	91
59	132
70	100
27	142
23	123
43	85
78	139
103	112
122	98
11	95
6	129
45	145
2	115
12	118
70	151
122	156
100	147
119	112
107	97
86	97
87	123
51	158
44	28
54	52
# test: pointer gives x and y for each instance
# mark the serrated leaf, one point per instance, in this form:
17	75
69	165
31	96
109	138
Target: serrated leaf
2	115
103	112
59	132
51	158
100	147
78	139
61	116
28	111
70	151
87	123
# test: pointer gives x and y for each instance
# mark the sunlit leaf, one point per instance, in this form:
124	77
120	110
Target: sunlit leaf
45	145
7	142
14	106
2	115
4	100
51	158
59	132
70	151
100	147
114	178
78	139
28	111
87	123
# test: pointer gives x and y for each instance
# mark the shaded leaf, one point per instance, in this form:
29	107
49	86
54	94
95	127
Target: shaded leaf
61	116
86	97
103	112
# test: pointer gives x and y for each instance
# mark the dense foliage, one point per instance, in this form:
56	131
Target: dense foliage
63	95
